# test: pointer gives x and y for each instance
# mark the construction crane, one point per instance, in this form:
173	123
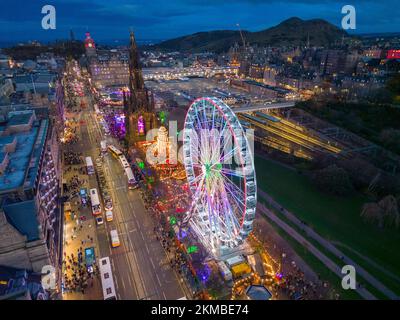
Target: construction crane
241	35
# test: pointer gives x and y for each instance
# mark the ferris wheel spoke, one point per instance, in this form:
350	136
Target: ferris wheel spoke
236	198
216	148
229	155
199	177
235	191
229	214
236	173
213	117
227	138
200	123
231	186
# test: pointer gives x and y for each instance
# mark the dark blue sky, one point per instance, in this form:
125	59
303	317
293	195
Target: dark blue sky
20	20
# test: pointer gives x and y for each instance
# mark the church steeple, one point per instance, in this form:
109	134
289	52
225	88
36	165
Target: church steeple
136	83
138	107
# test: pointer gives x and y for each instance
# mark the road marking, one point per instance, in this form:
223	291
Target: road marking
158	279
123	283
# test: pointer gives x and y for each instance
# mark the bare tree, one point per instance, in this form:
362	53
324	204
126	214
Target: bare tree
384	211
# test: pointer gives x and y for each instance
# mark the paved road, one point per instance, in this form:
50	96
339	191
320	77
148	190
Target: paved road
330	247
140	265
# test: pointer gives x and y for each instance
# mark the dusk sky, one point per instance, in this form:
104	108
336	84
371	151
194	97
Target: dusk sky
20	20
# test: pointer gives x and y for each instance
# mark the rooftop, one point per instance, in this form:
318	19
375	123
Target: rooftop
255	83
24	162
17	284
18	119
36	78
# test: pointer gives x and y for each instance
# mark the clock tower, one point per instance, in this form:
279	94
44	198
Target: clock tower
90	46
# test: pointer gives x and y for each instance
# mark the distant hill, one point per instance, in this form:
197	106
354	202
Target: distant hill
293	31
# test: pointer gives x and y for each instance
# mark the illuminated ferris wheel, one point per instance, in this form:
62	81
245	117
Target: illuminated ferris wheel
220	172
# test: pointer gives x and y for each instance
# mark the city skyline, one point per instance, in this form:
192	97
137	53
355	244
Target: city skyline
228	165
157	22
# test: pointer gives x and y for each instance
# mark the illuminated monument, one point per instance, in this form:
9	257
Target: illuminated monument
139	104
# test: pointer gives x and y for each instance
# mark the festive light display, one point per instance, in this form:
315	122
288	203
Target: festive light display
141	125
223	189
192	249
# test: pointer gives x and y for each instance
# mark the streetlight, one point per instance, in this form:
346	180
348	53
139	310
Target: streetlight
282	257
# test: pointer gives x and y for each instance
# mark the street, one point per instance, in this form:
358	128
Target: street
140	266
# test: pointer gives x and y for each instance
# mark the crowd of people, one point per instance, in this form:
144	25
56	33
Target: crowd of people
73	158
77	278
295	286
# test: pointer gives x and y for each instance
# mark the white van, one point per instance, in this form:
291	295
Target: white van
109	216
114	238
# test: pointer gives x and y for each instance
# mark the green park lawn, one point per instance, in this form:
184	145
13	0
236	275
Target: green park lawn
336	219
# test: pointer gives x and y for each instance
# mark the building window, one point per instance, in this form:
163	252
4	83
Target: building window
109	290
106	275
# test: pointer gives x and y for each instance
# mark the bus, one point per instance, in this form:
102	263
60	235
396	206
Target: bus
103	146
89	165
124	162
114	151
107	281
132	184
94	199
114	238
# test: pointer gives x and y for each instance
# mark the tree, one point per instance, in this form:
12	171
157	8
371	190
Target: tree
386	211
390	139
371	212
333	180
360	171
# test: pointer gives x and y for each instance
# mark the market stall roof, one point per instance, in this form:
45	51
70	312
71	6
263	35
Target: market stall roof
258	292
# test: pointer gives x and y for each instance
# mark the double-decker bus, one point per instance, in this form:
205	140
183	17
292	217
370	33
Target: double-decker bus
132	184
124	162
95	202
107	281
89	165
114	151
